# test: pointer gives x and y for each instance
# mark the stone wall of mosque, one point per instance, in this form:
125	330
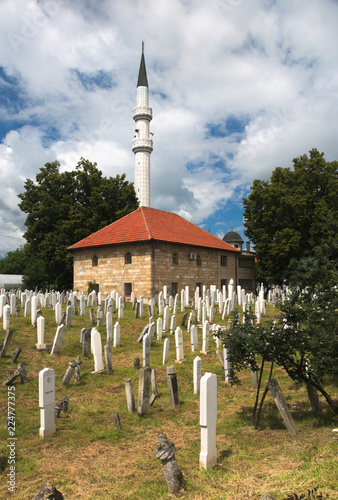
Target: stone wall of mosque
145	267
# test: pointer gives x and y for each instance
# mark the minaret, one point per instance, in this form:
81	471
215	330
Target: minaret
142	144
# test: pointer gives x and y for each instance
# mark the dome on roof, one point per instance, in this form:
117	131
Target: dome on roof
232	236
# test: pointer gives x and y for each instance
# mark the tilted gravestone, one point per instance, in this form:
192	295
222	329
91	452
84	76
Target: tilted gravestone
166	451
282	406
172	387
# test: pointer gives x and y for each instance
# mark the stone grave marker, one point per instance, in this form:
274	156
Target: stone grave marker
165	351
179	345
172	387
282	405
173	324
77	372
166	451
58	339
34	307
109	326
16	355
86	343
117	335
197	374
194	338
58	312
69	372
143	391
108	358
92	316
208	418
130	396
6	317
159	329
99	316
6	343
116	421
227	365
97	350
40	325
146	350
154	392
47	402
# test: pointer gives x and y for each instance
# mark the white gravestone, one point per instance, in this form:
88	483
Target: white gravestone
173	324
58	311
208	419
13	304
69	313
166	318
6	316
165	351
47	402
159	329
205	346
96	345
117	335
40	325
179	345
2	304
197	374
34	308
193	338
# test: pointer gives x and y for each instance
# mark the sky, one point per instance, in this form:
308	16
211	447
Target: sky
237	88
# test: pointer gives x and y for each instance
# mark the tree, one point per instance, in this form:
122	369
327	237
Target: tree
294	212
15	262
64	207
304	341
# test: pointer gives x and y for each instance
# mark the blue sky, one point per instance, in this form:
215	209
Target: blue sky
237	87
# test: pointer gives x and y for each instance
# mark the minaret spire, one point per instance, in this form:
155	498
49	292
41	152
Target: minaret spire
142	144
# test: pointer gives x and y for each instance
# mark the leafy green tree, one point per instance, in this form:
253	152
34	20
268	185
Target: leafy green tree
288	216
15	262
305	339
64	207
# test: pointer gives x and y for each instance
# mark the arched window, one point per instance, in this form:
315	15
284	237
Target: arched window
95	261
198	260
127	258
175	258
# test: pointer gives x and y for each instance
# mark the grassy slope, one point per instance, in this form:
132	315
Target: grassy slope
88	458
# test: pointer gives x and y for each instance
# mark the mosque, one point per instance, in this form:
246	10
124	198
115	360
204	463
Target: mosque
150	248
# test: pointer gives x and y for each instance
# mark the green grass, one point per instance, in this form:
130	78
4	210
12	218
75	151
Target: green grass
88	458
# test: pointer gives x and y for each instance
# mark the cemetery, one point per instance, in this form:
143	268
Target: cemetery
107	398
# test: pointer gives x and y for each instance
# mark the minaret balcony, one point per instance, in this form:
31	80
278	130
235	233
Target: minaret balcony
142	145
142	113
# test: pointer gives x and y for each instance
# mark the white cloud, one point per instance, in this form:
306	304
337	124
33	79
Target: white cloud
271	64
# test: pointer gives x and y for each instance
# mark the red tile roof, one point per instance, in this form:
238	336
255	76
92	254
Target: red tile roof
147	224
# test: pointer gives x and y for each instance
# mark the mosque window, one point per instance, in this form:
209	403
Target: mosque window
224	261
95	261
127	258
